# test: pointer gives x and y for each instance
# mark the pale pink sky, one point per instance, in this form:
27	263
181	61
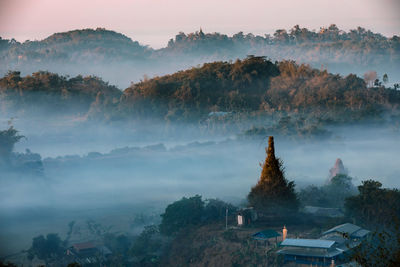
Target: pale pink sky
154	22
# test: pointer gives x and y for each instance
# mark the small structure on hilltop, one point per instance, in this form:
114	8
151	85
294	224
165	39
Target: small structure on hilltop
246	216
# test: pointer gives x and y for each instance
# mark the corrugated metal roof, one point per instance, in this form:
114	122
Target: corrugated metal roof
348	228
336	238
311	243
361	233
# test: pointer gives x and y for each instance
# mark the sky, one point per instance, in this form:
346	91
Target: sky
154	22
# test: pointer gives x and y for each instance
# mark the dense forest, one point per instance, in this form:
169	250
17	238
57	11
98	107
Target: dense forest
120	60
251	87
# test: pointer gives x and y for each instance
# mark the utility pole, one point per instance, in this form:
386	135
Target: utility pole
226	218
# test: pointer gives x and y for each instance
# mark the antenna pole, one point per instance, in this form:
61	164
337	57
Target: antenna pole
226	218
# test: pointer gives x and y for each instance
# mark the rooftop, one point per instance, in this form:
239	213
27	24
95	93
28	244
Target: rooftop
348	228
265	234
308	243
84	245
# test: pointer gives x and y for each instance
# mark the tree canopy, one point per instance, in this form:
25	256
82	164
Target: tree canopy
192	211
273	192
8	138
46	248
374	205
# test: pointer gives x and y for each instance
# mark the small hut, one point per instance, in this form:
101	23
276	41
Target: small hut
266	236
246	216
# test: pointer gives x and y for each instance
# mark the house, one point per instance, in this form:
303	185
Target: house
347	235
315	252
88	253
246	216
266	236
332	247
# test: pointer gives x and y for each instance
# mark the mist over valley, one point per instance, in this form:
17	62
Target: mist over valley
116	153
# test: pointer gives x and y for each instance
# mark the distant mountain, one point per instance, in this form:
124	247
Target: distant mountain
78	46
120	60
48	95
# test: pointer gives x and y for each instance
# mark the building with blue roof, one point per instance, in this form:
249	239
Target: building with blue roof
329	249
316	252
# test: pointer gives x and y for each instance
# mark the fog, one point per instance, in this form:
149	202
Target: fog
113	173
123	73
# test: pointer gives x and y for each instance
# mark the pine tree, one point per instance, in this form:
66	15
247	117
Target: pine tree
273	193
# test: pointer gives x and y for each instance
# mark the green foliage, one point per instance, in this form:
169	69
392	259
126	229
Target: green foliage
8	138
192	211
181	213
314	196
97	229
329	45
381	250
44	91
273	193
45	248
230	235
332	195
246	88
215	209
79	46
147	243
118	244
218	86
374	205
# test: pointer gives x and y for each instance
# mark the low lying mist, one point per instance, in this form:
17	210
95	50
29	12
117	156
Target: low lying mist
112	174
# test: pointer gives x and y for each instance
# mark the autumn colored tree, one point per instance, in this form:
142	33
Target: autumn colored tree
273	192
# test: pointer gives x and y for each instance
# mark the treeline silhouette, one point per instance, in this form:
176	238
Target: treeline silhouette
328	46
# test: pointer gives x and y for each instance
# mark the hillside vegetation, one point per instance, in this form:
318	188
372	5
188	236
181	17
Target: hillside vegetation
253	87
121	60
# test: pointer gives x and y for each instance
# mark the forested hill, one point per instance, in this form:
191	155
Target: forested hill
47	94
253	86
78	46
258	85
328	44
120	60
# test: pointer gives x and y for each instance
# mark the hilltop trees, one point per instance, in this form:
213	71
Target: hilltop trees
8	138
43	91
46	248
192	211
217	86
374	205
273	192
253	86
